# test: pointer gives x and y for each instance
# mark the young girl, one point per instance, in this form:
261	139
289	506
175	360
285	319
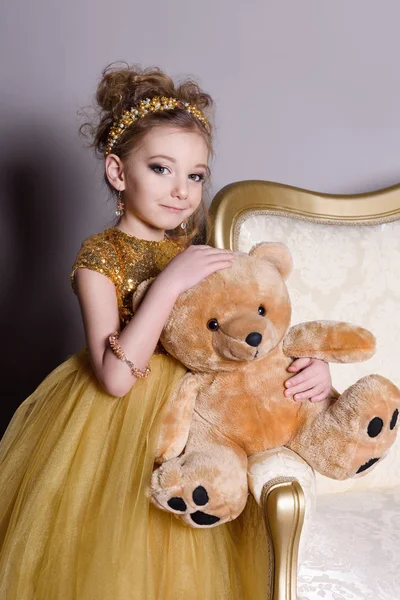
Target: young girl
77	457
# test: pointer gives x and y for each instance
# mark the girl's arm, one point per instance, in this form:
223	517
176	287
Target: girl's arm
98	302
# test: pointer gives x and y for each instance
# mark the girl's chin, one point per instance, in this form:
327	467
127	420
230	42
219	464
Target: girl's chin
169	224
166	222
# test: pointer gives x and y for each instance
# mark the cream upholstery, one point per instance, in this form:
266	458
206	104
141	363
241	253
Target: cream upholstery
353	548
346	252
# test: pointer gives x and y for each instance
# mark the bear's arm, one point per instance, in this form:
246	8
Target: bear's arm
177	417
332	341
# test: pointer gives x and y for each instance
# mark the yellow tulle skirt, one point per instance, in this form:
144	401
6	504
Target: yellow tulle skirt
75	520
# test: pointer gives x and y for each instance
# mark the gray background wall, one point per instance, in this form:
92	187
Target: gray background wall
307	93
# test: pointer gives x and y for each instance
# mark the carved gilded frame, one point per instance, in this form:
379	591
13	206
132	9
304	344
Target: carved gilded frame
232	205
283	501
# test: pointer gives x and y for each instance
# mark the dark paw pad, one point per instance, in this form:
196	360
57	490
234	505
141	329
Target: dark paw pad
201	518
367	465
393	421
177	504
375	426
200	496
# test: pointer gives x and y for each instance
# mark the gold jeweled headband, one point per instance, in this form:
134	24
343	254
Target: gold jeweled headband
150	105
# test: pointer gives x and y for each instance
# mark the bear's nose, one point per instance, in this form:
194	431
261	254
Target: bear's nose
254	339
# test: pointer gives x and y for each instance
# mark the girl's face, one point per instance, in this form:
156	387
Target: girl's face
161	181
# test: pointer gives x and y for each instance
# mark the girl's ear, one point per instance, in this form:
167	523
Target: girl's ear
140	293
275	253
114	169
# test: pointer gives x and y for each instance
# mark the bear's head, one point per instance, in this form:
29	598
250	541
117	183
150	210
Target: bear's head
235	315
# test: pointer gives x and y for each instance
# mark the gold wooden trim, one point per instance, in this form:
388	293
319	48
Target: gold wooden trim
283	503
231	204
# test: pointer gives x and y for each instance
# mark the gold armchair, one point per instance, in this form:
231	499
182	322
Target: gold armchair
282	498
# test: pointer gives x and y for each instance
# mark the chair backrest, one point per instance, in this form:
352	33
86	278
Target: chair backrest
346	252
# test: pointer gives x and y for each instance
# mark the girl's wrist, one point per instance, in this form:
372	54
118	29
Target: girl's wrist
168	289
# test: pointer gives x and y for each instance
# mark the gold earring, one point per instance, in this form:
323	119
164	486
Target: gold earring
184	224
120	205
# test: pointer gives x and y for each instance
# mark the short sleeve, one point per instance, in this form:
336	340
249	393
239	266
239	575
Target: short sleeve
97	254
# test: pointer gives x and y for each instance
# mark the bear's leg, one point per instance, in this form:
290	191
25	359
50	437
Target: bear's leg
176	418
354	432
206	485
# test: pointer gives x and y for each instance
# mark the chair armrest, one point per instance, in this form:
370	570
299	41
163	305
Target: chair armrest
283	504
283	484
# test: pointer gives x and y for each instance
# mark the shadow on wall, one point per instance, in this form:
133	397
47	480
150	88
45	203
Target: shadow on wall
37	216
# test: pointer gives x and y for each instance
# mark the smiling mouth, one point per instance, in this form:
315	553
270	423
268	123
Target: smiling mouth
172	208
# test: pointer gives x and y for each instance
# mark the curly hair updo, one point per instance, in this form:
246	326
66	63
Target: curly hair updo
122	88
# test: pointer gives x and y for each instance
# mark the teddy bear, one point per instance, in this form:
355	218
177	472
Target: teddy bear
232	333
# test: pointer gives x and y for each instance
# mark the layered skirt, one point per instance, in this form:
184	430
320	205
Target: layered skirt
76	522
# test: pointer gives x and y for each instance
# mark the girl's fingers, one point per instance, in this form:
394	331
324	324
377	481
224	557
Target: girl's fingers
299	364
305	386
319	397
221	257
218	265
211	261
305	375
308	394
211	250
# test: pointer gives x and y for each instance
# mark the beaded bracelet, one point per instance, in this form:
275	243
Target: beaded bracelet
119	353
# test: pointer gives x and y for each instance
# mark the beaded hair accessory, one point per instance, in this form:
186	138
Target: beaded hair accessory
150	105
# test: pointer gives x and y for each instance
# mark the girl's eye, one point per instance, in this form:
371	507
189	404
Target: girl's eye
261	310
159	169
197	177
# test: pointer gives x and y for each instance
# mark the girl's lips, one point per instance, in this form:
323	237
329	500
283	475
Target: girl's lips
172	208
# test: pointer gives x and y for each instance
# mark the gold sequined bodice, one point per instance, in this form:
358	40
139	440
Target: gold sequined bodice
126	260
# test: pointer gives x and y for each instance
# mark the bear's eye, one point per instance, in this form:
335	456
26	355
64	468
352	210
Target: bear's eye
213	324
261	310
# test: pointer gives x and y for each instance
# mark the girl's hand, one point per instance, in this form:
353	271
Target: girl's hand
193	265
313	382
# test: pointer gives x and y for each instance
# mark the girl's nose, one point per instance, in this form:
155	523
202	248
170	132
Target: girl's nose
181	189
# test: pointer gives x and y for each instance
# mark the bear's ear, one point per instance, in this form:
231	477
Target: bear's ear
275	253
140	293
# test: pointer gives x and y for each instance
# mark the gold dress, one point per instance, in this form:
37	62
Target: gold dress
75	464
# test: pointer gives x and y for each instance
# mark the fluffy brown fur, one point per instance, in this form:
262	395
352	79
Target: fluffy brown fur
231	403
